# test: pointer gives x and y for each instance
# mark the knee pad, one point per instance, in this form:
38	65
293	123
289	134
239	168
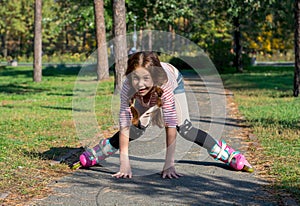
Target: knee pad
187	131
190	133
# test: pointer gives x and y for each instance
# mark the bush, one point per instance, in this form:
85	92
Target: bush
220	55
180	63
65	58
164	57
54	58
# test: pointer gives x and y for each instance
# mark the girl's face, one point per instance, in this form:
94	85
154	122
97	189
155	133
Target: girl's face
142	81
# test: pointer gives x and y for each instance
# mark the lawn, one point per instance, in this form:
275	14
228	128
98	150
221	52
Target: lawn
264	96
37	125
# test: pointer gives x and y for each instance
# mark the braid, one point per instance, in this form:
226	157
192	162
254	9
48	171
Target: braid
159	93
157	114
134	112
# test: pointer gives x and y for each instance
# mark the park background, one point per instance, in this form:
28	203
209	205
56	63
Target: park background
238	36
266	29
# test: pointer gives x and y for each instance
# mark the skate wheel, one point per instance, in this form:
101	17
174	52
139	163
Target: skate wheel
76	166
248	169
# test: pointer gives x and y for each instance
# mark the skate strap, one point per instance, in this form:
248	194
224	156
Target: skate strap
107	148
222	149
93	153
232	155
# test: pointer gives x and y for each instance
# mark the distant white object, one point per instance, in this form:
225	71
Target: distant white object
253	61
132	51
13	63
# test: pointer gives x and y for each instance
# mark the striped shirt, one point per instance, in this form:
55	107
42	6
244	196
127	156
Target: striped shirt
168	101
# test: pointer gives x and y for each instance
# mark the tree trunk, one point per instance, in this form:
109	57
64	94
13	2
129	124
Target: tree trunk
4	46
120	44
141	45
169	42
66	48
237	43
37	62
102	58
150	40
84	40
297	50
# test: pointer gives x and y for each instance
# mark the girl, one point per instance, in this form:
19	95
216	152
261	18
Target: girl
153	91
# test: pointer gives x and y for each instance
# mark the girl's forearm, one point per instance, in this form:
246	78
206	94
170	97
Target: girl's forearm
124	141
171	146
125	169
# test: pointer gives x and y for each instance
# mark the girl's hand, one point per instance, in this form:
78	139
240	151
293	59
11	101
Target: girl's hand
170	173
169	168
146	117
125	169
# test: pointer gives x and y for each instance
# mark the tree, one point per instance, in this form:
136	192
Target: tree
15	27
37	62
102	59
297	50
237	12
156	15
120	44
237	44
75	26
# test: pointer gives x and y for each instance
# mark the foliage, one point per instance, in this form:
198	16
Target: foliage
16	25
270	38
53	58
68	26
220	54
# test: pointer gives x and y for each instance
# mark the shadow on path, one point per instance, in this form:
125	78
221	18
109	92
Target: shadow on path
97	187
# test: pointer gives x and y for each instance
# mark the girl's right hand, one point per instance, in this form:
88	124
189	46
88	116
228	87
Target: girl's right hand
125	169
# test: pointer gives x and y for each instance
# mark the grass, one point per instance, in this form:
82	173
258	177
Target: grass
264	96
37	124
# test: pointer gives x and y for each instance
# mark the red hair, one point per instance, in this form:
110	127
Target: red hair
150	62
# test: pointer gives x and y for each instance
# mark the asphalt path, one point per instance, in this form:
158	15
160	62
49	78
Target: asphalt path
205	181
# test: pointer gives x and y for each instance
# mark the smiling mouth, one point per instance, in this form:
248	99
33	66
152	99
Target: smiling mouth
142	90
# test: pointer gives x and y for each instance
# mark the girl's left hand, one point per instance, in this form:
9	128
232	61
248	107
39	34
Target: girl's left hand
125	169
170	173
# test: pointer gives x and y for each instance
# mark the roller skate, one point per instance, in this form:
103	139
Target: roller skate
93	156
234	159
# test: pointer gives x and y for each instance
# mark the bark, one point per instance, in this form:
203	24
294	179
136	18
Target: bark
150	40
237	43
141	45
84	40
4	46
120	44
297	51
37	62
66	45
102	57
169	40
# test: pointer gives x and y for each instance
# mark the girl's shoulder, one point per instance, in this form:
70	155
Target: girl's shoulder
169	69
168	66
171	74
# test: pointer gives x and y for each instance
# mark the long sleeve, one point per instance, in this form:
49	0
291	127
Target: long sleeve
125	113
168	108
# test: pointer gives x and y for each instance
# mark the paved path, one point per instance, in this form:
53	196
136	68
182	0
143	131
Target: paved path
205	181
